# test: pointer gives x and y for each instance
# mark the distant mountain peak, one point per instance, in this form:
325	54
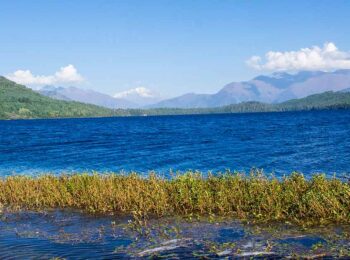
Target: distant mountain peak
276	87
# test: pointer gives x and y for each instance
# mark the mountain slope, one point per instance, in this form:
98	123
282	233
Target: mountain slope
345	90
190	100
53	92
276	88
326	100
85	96
330	81
17	101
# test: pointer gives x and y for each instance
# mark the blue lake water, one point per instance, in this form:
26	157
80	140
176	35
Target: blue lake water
315	141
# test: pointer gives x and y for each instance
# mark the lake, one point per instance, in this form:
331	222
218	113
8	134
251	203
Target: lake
314	141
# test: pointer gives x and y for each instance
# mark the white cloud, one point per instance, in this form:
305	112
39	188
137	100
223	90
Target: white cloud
140	91
68	74
324	58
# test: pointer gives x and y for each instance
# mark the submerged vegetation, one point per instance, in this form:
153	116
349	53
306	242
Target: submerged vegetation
253	197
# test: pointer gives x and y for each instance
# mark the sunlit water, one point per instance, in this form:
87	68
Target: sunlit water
316	141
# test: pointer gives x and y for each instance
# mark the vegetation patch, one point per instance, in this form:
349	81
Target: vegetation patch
253	197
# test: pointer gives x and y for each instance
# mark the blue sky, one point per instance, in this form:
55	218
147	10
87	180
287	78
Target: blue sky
171	47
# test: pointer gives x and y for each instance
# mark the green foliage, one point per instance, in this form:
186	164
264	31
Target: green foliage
326	100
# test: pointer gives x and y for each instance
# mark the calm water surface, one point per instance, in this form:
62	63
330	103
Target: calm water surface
279	142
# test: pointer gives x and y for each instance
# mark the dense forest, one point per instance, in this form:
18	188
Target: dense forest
17	101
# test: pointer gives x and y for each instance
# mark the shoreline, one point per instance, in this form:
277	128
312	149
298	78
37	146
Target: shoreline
182	114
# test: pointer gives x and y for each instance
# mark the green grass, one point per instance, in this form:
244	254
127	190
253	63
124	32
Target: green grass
251	197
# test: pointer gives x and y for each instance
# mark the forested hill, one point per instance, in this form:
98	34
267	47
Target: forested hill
326	100
17	101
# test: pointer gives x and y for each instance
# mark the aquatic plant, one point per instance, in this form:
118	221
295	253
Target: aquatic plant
252	197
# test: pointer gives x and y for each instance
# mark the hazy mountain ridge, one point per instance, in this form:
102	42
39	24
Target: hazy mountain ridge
345	90
126	99
53	92
276	88
85	96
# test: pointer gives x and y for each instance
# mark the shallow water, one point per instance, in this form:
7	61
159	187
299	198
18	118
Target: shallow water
315	141
73	235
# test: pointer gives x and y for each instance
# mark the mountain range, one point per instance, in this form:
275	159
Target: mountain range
134	98
18	101
275	88
85	96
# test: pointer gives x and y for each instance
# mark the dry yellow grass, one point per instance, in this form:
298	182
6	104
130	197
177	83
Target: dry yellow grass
253	196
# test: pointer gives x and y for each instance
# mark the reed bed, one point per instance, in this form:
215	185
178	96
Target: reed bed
252	197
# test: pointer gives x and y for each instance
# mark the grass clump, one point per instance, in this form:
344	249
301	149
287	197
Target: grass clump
255	196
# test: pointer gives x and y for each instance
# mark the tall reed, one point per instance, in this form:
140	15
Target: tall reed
254	196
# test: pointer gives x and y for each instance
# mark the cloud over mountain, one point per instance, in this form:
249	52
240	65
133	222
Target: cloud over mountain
140	91
325	58
140	95
64	75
